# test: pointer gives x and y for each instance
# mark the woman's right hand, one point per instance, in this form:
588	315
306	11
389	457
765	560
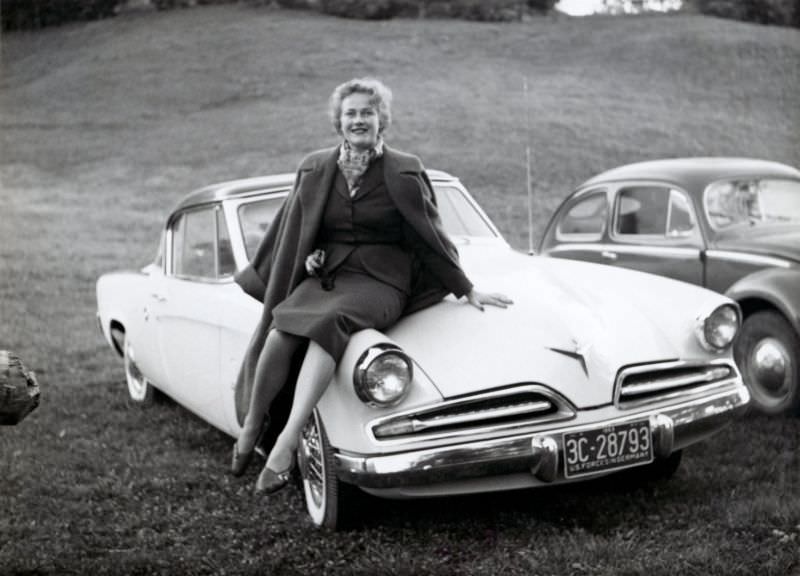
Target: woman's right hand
315	261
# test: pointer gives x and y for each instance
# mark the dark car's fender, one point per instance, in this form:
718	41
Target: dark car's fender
779	287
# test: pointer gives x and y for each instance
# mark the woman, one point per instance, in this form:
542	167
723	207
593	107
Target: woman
356	245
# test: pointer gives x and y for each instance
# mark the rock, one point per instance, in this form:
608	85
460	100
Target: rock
19	391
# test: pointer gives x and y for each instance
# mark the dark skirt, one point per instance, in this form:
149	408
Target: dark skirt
329	317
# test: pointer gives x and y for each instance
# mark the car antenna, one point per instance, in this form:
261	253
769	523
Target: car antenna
528	164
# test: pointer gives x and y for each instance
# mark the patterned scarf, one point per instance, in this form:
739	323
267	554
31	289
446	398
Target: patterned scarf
353	163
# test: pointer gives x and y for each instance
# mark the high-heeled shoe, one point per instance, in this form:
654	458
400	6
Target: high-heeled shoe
270	482
241	460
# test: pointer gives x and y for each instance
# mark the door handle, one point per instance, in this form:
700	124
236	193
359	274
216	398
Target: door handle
608	255
158	297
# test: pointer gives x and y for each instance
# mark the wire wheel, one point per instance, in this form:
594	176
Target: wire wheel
139	388
327	498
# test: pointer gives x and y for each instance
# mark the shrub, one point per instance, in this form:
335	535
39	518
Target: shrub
780	12
26	14
485	10
542	5
172	4
359	9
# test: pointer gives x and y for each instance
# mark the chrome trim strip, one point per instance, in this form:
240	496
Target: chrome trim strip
674	427
477	416
644	368
656	385
664	251
755	259
564	411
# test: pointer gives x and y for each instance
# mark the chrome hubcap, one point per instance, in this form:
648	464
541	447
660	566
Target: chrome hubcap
137	385
770	368
312	462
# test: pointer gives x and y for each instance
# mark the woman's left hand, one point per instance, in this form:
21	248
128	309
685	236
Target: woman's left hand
478	299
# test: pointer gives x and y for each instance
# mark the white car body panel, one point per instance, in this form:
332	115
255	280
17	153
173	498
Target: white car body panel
572	328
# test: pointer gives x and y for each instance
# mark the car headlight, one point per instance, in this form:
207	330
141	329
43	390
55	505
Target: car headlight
383	375
717	330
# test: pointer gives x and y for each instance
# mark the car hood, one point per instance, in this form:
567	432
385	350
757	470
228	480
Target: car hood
783	242
573	325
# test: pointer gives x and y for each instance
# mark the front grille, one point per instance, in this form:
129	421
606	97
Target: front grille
645	384
506	409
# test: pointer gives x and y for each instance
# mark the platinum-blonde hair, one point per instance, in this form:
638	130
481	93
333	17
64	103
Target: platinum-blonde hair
380	97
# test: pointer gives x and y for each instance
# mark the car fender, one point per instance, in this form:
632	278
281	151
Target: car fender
780	287
346	417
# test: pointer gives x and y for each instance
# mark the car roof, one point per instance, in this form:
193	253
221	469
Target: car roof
694	174
245	186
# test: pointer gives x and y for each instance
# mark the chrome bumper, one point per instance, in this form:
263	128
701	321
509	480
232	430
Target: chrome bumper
540	454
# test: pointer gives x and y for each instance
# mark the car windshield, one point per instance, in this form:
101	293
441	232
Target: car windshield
459	217
752	202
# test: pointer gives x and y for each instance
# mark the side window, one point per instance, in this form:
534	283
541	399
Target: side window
193	244
585	220
680	218
642	210
227	264
254	219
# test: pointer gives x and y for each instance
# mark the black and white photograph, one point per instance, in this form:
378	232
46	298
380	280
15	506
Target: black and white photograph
400	287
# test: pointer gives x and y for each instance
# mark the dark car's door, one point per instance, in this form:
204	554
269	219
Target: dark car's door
654	229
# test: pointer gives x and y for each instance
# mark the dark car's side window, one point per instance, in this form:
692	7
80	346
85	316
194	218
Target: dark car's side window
680	216
655	211
642	210
585	220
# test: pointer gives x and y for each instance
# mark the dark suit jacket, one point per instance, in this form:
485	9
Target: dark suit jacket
279	264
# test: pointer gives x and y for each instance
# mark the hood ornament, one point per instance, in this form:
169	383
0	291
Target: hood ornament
578	352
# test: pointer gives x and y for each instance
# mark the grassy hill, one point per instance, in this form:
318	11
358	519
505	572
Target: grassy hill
105	125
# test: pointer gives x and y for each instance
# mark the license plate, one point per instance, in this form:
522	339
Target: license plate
609	448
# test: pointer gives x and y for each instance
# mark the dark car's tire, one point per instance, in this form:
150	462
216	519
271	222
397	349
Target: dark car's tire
329	502
140	389
767	352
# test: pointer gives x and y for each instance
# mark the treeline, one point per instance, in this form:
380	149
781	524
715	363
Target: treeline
31	14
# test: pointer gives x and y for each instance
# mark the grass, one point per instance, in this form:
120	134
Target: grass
105	125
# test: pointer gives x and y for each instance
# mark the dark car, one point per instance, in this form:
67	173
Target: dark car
729	224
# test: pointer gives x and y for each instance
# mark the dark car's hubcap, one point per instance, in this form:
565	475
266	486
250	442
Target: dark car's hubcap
770	367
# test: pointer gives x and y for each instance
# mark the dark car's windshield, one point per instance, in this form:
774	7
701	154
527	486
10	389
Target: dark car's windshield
752	202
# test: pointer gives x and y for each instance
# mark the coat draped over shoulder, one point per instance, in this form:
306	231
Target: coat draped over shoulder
279	263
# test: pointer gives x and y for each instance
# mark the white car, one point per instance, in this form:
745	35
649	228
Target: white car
592	370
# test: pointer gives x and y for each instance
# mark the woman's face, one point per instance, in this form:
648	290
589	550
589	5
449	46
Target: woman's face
360	122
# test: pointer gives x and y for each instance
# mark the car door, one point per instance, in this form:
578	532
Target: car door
190	307
654	229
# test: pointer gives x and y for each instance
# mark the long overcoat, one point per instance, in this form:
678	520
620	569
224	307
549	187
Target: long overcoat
279	263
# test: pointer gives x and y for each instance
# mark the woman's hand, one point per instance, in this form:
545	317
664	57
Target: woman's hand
478	299
314	262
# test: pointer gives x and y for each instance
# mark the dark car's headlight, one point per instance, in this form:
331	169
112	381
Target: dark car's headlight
717	330
383	375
